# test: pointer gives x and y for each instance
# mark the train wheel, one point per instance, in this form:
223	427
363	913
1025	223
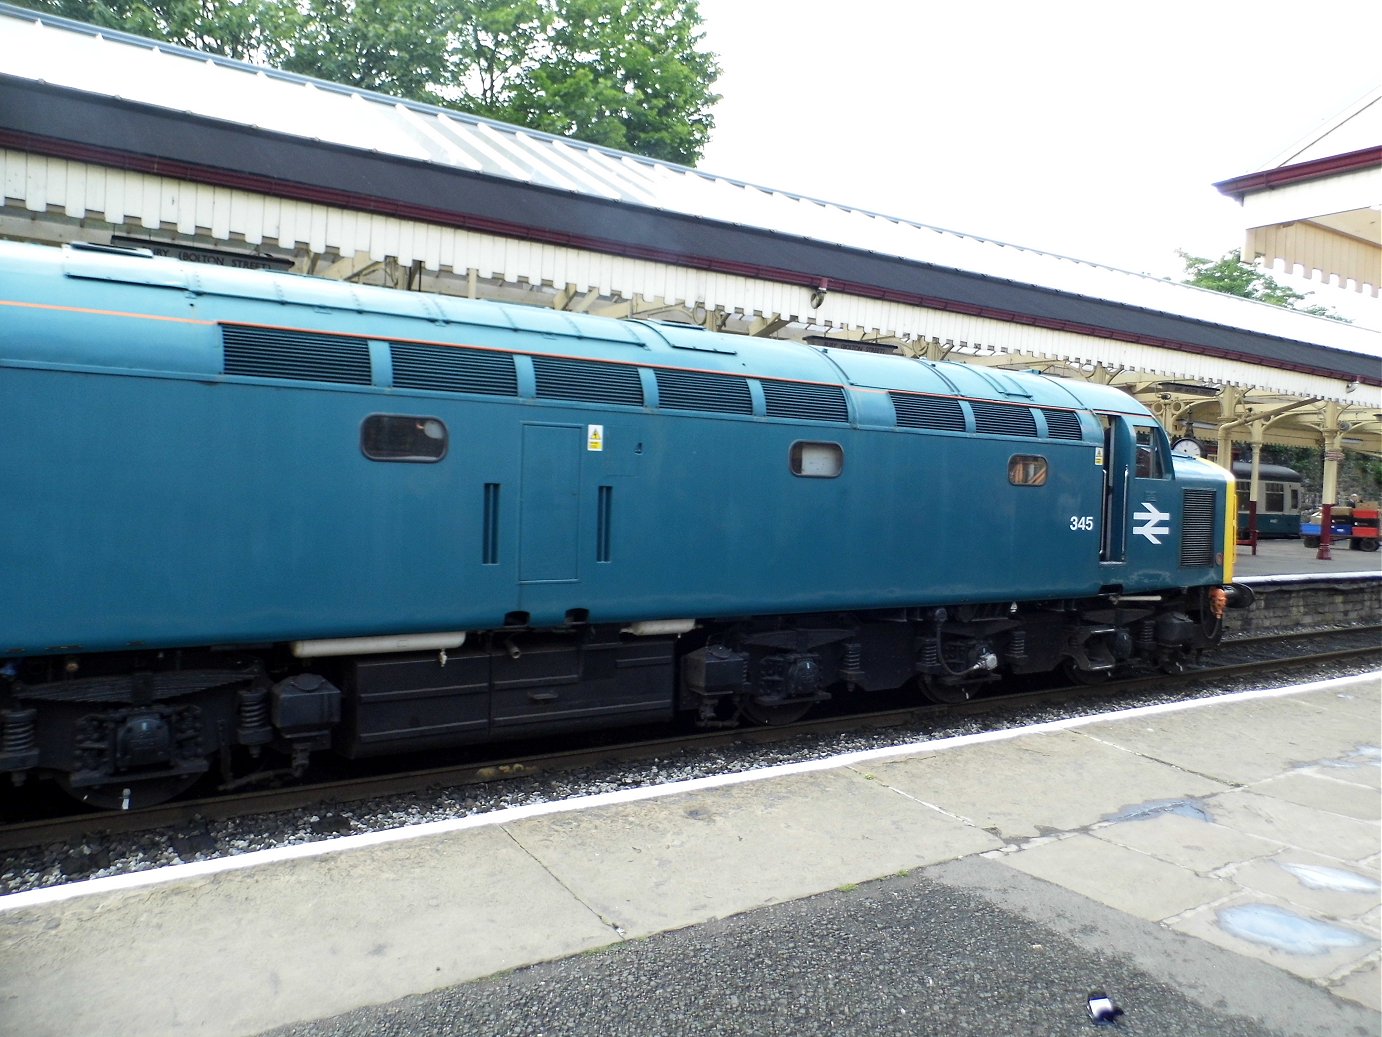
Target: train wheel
1080	676
773	715
130	794
946	694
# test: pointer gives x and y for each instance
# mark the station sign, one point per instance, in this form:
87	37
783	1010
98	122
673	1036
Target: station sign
207	256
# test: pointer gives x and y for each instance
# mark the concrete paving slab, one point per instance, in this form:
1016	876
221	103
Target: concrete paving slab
1189	842
1306	828
1366	692
1362	985
1361	698
1362	767
241	951
1119	877
1319	885
1372	921
1042	783
1316	789
1243	742
1281	934
648	867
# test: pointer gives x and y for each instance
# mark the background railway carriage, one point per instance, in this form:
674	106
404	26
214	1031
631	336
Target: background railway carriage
1278	510
248	511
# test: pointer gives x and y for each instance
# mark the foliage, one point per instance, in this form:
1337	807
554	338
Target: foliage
1358	472
397	47
494	44
626	74
623	74
1232	276
232	29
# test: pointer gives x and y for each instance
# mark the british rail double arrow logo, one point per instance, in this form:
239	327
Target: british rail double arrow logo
1155	524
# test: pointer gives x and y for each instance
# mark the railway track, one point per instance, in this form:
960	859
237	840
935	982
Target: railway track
326	795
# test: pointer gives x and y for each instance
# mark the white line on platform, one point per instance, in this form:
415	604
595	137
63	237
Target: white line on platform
298	851
1315	577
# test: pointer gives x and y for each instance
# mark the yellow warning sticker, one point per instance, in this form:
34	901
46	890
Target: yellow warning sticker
594	437
1099	456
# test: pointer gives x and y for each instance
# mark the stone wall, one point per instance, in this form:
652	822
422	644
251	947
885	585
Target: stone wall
1308	605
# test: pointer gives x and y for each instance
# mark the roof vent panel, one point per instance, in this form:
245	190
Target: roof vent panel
692	390
448	369
999	420
805	401
559	378
303	356
934	412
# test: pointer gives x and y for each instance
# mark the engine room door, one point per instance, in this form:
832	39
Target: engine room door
549	503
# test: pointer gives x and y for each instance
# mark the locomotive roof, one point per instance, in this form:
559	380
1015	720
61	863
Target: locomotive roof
1277	472
371	311
182	106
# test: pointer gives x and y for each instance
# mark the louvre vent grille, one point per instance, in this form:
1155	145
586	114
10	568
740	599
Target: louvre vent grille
999	420
808	402
561	379
688	390
299	355
1197	528
936	412
1062	424
445	369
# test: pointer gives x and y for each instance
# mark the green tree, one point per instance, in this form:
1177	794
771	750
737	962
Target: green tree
1232	276
396	47
626	74
494	44
232	29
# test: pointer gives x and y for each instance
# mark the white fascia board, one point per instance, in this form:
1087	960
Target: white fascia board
1360	189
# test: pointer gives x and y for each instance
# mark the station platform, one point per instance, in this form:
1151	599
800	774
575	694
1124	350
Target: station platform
1292	557
1212	865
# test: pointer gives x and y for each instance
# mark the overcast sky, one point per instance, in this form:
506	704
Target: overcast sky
1089	129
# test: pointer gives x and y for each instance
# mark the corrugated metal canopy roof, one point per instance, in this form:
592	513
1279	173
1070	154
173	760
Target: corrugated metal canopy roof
114	65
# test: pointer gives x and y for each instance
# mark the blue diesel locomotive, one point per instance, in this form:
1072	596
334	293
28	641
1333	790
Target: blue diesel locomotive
249	516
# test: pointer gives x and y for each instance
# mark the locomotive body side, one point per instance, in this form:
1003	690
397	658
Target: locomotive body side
220	482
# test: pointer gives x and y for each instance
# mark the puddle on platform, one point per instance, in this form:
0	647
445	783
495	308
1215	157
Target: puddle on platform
1334	880
1190	808
1283	930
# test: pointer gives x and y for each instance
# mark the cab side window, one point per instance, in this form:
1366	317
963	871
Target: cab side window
1027	470
1149	462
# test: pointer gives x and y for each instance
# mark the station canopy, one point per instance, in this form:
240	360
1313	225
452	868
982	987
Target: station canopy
1315	207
